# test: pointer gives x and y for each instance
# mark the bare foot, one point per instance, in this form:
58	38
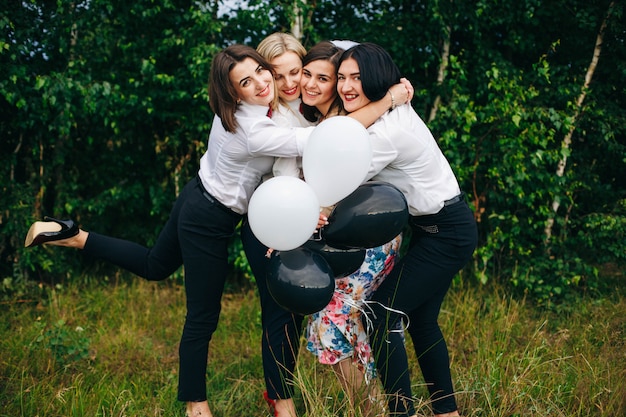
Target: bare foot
285	408
198	409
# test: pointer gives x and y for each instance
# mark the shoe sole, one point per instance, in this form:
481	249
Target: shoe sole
38	228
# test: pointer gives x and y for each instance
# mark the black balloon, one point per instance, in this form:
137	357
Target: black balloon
300	280
342	262
371	216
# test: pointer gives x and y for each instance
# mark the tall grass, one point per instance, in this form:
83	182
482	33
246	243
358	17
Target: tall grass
112	350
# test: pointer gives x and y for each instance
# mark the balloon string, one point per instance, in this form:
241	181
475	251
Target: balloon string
362	305
359	305
370	325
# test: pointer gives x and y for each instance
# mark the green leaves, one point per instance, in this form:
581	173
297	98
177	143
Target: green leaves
105	116
66	345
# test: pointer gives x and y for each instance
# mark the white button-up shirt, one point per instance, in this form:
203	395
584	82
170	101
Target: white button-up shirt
289	116
234	163
406	155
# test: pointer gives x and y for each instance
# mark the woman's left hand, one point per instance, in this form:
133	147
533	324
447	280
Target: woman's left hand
402	92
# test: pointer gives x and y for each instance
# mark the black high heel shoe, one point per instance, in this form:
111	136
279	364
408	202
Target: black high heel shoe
50	230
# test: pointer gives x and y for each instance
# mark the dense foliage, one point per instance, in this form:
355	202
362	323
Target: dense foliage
105	115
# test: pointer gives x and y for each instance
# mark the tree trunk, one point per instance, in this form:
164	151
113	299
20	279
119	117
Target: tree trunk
443	65
567	140
297	24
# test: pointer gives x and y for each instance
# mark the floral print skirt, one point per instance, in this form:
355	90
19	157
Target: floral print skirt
337	332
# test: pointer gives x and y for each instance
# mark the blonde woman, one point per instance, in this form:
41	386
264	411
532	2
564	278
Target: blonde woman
281	329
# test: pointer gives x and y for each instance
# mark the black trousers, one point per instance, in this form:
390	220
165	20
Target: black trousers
281	329
196	235
441	244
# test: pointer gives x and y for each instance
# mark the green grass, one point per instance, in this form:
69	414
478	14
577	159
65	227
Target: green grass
112	350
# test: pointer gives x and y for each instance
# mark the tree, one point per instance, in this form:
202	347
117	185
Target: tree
105	114
108	115
496	82
567	140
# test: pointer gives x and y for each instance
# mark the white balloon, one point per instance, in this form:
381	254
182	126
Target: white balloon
283	212
336	158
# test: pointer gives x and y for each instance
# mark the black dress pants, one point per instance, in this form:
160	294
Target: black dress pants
281	329
196	235
441	244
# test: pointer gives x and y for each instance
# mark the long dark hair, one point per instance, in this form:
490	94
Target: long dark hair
377	70
323	51
222	94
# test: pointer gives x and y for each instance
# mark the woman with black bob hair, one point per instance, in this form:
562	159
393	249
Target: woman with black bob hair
377	70
443	234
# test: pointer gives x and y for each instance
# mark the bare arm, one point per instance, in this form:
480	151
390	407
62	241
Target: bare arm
398	94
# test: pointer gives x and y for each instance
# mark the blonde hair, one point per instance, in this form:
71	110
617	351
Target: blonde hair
275	45
278	43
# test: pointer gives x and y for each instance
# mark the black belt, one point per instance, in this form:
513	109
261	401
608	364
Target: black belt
454	200
214	200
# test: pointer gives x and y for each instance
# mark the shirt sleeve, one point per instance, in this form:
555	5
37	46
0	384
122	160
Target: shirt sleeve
265	138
